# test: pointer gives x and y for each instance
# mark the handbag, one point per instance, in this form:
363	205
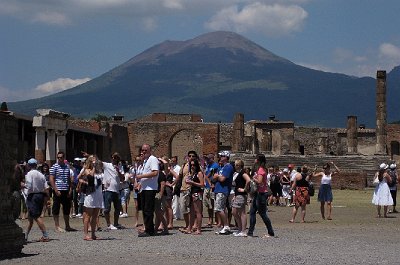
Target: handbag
311	189
251	188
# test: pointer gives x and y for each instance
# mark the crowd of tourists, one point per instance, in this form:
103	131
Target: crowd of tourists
164	191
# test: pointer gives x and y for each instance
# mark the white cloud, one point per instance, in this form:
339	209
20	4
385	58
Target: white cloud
149	23
272	20
366	63
173	4
59	85
318	67
51	87
52	18
389	51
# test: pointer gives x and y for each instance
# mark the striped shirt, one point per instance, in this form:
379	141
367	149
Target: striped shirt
62	176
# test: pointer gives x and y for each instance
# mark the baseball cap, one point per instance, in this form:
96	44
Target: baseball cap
32	161
224	153
383	166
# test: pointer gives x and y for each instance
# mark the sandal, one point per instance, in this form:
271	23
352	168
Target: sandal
44	239
88	238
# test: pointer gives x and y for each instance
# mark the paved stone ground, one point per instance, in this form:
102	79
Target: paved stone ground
355	236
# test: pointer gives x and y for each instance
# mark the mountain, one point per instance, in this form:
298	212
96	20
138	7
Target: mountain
216	75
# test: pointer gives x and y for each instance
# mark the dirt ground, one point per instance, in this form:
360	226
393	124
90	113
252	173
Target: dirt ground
354	235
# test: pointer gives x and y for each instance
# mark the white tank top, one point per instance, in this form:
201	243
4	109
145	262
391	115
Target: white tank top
326	179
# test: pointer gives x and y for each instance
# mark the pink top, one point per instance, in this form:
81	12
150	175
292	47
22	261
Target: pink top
263	186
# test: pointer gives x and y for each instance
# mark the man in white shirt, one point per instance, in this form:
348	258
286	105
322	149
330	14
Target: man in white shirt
113	175
175	199
149	185
37	190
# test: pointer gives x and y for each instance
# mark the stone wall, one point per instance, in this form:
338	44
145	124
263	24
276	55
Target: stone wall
173	138
225	136
346	180
320	140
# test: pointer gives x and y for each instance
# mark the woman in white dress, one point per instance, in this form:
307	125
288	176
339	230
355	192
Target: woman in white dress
382	196
91	179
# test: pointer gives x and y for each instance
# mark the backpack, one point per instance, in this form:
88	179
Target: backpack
393	177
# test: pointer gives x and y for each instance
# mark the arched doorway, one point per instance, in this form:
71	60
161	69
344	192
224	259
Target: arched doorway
394	149
184	141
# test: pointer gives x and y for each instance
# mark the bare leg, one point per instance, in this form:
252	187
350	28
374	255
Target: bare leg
303	213
378	208
323	210
329	204
86	220
385	210
93	221
198	209
294	212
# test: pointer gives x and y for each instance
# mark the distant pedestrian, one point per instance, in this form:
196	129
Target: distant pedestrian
37	190
259	203
393	185
382	196
325	189
300	187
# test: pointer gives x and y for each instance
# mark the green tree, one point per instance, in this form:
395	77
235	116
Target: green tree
4	106
100	117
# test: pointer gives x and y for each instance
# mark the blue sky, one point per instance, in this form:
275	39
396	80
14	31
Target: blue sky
49	46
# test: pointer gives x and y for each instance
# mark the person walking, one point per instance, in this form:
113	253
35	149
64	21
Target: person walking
37	190
300	188
259	203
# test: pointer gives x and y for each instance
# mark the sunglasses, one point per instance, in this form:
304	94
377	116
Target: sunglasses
60	157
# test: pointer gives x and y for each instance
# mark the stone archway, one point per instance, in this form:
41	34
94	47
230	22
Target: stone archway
183	141
394	149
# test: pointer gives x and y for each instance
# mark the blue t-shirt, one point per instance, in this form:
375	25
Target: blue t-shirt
225	187
214	166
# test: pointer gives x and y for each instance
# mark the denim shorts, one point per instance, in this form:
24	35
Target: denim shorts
111	197
124	195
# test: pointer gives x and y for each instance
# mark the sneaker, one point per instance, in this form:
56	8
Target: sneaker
124	215
235	233
225	231
79	215
112	227
241	234
118	226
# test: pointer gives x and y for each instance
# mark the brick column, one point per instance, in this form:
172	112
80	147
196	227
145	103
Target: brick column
238	132
381	115
352	140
